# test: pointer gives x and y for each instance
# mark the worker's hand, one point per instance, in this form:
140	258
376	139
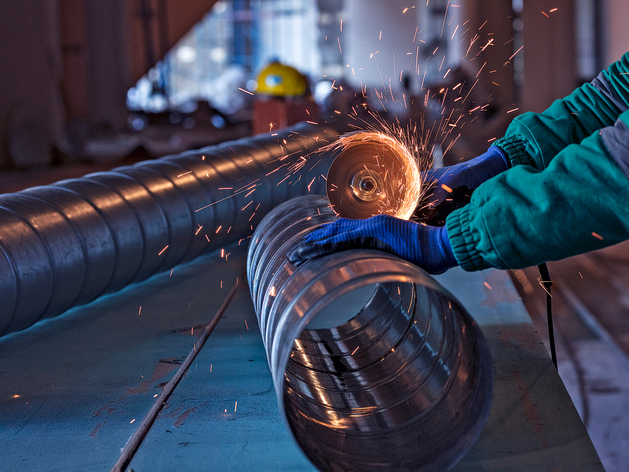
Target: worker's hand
453	185
425	246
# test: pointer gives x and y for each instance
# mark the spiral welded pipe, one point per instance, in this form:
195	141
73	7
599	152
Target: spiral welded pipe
65	244
375	365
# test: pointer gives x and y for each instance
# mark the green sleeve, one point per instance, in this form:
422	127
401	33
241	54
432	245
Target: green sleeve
534	139
526	216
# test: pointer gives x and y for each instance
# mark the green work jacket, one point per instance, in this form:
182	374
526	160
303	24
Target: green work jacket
567	190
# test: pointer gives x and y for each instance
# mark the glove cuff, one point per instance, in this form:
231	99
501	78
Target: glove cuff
449	260
496	153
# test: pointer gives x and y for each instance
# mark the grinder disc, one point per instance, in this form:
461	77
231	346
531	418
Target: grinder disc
374	174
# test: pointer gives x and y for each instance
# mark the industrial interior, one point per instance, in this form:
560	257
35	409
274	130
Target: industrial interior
161	160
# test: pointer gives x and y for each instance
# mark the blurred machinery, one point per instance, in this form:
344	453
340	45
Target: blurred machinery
282	99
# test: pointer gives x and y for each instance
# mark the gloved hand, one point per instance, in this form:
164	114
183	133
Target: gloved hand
454	184
425	246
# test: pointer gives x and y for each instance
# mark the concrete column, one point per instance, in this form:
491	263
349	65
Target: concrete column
549	53
31	111
489	26
617	15
376	41
107	43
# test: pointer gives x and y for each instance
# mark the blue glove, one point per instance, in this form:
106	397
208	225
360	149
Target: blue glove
454	184
425	246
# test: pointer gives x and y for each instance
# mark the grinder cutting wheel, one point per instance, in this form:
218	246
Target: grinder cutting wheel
374	185
374	174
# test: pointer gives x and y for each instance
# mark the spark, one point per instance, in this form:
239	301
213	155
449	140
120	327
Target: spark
341	24
445	15
455	30
162	251
208	239
354	351
246	325
198	229
246	91
515	53
340	50
487	285
511	111
545	14
597	236
132	421
185	173
235	406
553	10
16	396
446	188
219	228
140	310
171	272
480	70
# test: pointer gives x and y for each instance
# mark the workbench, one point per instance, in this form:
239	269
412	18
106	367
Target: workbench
75	388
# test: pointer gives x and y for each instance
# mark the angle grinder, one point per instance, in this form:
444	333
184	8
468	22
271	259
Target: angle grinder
374	174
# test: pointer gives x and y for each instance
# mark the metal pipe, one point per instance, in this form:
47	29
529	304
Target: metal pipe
375	365
67	243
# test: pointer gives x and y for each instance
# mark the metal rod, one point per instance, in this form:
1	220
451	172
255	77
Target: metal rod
143	428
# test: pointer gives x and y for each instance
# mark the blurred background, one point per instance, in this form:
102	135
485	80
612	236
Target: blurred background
88	85
95	81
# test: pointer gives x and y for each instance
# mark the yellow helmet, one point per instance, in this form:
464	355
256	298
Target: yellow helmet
280	80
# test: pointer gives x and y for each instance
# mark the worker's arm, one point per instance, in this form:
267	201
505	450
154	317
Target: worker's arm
536	138
453	185
525	216
533	139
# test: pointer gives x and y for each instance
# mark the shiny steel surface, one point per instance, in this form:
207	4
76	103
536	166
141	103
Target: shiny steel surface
375	365
69	242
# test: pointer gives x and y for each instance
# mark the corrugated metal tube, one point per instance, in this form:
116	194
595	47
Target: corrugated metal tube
375	365
65	244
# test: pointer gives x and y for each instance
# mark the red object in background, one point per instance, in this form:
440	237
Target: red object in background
270	114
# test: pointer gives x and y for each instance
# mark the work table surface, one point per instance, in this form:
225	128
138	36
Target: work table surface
74	389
